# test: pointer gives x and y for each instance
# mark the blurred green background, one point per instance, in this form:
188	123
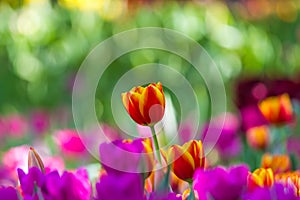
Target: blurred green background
43	43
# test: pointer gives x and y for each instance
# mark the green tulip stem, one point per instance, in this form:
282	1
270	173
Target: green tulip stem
156	145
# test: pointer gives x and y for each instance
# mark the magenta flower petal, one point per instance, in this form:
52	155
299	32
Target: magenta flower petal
127	186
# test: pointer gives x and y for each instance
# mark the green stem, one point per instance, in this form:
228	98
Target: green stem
192	194
156	145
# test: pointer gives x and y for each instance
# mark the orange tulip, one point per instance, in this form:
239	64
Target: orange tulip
260	178
258	137
278	109
290	178
145	105
186	159
278	163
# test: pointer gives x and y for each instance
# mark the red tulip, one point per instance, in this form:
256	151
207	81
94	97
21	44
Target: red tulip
186	159
145	105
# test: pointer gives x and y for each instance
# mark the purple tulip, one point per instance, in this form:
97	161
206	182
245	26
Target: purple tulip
28	182
126	186
228	144
220	183
252	117
69	186
277	191
8	193
121	156
40	121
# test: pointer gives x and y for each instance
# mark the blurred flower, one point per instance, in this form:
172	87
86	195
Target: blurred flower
228	144
258	137
127	186
291	179
8	193
186	159
252	117
260	178
70	143
3	128
69	186
134	156
278	163
249	92
277	109
145	105
220	183
16	125
34	160
16	157
40	121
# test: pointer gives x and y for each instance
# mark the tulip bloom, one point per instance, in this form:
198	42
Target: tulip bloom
260	178
186	159
68	186
127	186
258	137
278	163
70	143
278	109
145	105
8	193
220	183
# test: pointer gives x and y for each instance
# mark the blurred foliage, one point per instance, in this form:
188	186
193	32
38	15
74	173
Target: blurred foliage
43	43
